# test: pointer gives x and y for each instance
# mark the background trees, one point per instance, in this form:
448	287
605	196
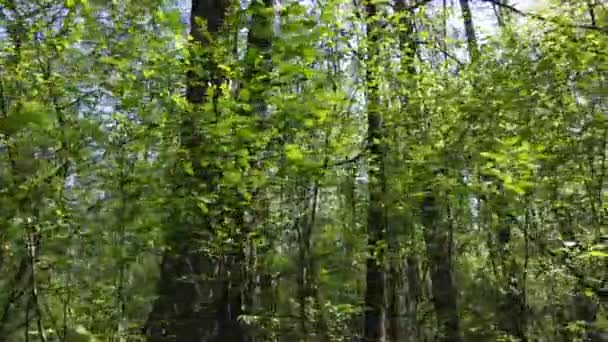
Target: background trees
336	170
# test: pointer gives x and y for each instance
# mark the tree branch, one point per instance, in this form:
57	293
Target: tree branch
345	161
542	18
417	4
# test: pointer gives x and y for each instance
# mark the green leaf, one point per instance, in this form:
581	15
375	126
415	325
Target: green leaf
232	177
293	153
148	73
29	114
187	167
598	254
515	188
499	158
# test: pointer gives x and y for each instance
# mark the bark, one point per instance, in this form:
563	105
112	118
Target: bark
511	301
591	11
256	78
258	59
395	282
469	28
199	296
404	283
304	233
396	291
394	299
502	16
414	294
439	245
511	304
375	298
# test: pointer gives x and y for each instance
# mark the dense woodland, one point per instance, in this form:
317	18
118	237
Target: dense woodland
289	170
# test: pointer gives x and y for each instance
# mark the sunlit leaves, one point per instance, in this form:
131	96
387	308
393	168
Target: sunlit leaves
27	114
293	153
514	164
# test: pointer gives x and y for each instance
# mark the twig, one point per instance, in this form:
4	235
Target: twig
345	161
592	284
542	18
417	4
77	100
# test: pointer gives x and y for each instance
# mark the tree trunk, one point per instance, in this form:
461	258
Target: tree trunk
439	246
199	296
375	298
469	28
258	58
511	306
256	79
395	286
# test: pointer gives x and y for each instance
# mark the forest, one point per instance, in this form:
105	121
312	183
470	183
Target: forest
303	170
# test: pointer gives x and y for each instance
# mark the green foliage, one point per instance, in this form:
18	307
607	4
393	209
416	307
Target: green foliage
107	171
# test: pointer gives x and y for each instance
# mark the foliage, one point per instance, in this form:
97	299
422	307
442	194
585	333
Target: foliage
492	169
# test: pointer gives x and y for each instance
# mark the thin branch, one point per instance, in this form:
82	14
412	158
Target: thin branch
3	100
542	18
592	284
78	100
591	11
450	56
342	162
417	4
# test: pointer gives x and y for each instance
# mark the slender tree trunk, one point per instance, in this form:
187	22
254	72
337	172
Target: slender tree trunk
394	282
591	11
303	229
469	28
258	63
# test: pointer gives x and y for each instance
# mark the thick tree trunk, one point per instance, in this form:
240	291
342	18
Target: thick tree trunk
375	298
511	305
410	281
414	294
439	246
256	79
199	296
395	288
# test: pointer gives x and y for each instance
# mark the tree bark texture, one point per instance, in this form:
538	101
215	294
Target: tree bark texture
438	247
199	296
375	297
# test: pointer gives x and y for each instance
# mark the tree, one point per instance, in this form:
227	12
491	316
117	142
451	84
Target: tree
302	171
